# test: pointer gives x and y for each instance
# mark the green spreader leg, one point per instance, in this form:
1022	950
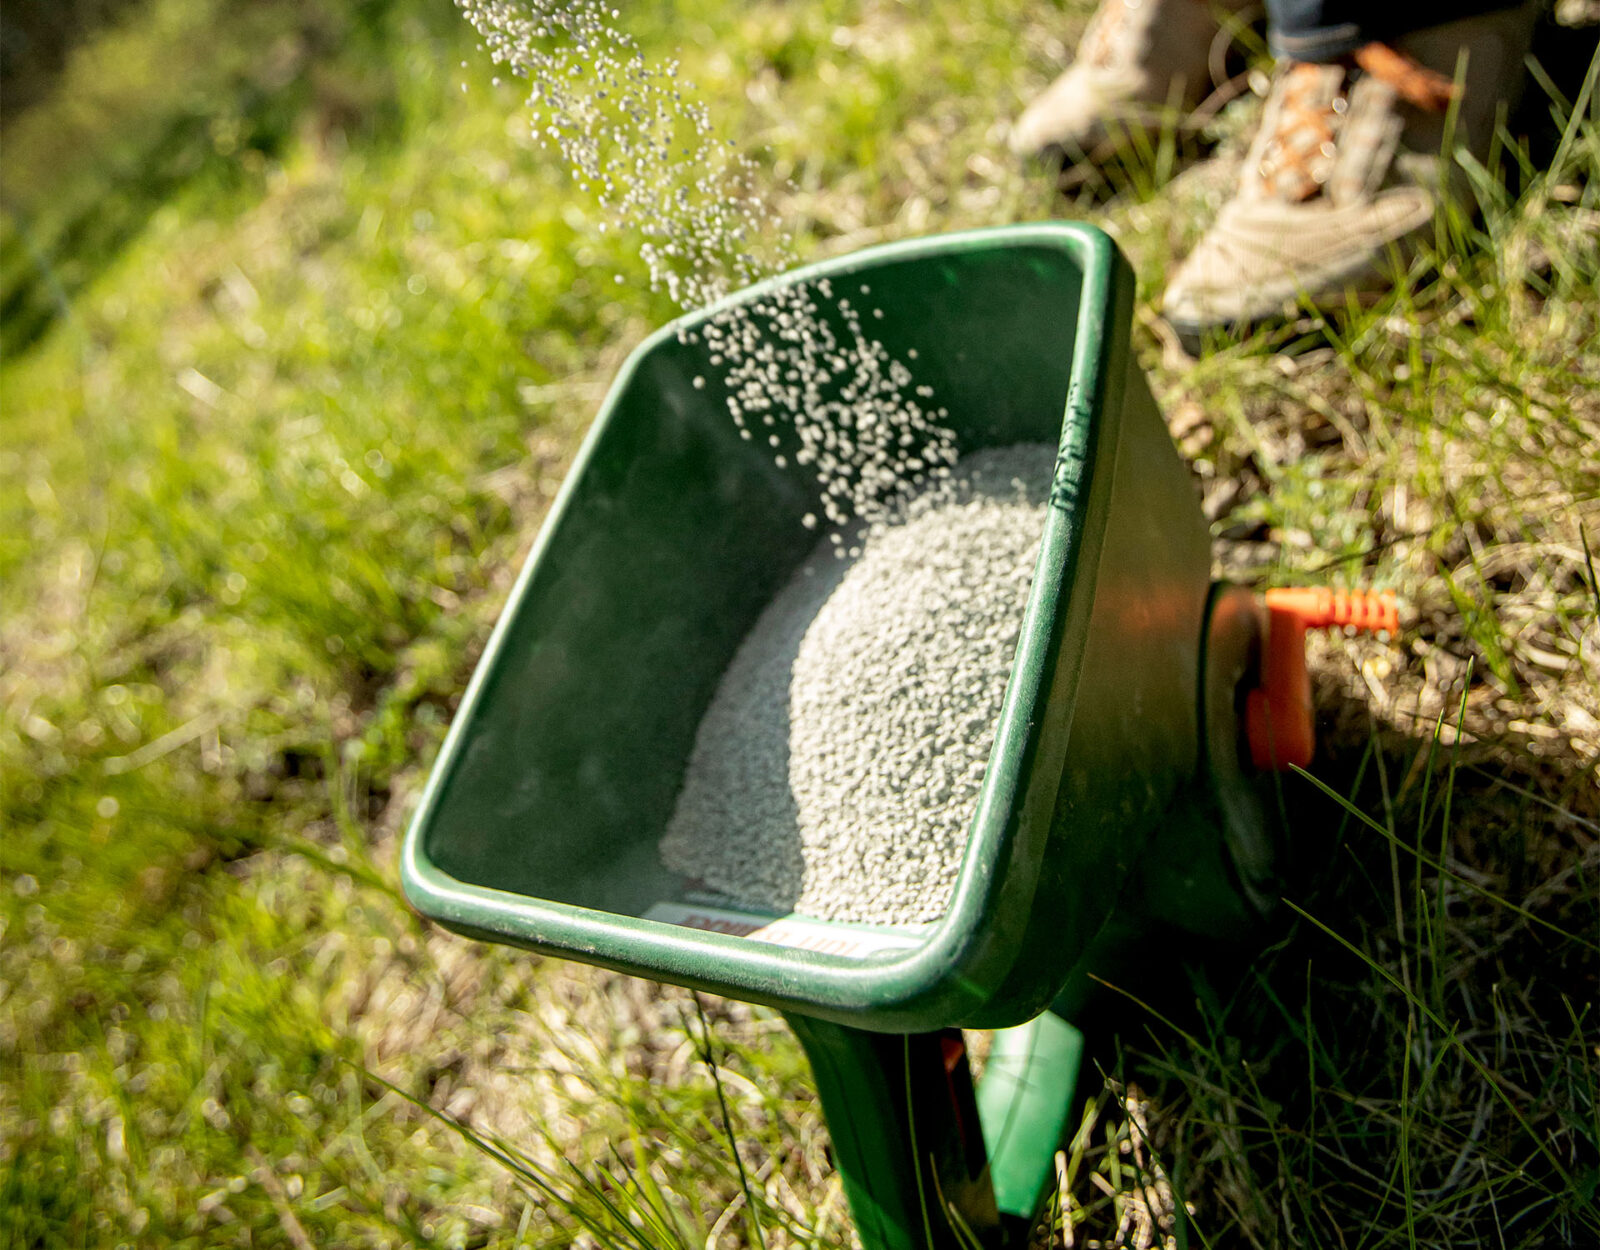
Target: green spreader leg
906	1137
910	1131
1024	1103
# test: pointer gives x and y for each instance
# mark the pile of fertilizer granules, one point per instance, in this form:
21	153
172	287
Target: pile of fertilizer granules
838	765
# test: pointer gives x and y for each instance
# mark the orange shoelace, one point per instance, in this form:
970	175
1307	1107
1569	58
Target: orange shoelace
1297	159
1411	80
1293	166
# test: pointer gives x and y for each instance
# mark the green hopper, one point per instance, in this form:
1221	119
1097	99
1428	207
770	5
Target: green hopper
1113	794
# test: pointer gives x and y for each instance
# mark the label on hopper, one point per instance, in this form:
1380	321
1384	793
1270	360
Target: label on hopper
826	937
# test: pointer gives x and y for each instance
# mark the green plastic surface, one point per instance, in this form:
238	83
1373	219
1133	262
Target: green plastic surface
540	822
906	1135
1024	1101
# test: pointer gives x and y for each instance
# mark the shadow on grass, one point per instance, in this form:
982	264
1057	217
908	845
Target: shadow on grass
1407	1058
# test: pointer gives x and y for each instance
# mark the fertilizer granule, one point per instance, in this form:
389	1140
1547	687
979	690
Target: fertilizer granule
838	765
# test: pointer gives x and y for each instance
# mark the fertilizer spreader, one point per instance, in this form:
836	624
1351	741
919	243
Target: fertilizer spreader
1121	788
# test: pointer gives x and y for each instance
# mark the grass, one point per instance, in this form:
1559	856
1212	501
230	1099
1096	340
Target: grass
298	337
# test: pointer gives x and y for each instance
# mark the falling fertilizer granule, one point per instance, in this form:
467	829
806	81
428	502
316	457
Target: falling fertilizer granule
634	138
838	765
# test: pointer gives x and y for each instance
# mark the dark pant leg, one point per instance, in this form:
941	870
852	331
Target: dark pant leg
1325	30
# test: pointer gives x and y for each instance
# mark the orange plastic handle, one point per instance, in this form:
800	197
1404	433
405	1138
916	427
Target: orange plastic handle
1278	713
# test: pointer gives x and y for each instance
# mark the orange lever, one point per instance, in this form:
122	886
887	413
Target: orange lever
1278	720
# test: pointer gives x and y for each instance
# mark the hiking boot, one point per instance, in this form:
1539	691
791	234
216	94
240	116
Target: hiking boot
1345	168
1140	62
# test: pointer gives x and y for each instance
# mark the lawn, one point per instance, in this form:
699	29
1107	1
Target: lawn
300	330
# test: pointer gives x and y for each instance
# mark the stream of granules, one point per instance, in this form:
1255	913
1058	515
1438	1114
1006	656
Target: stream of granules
838	765
632	135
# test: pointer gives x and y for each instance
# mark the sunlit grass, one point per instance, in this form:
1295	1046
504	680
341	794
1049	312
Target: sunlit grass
293	364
